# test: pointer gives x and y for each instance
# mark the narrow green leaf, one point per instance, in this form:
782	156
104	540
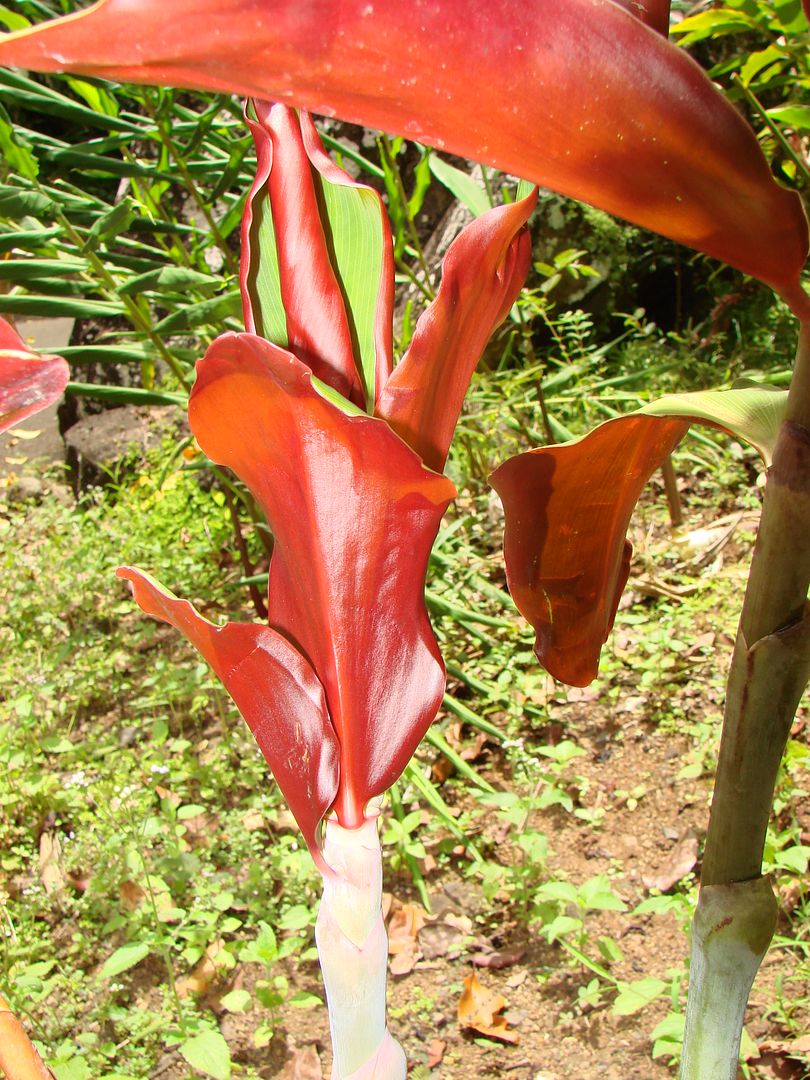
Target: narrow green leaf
461	185
264	280
126	395
167	278
11	20
74	307
97	97
33	269
124	958
207	312
116	220
26	239
208	1052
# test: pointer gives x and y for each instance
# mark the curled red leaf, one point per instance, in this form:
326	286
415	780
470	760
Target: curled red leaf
28	382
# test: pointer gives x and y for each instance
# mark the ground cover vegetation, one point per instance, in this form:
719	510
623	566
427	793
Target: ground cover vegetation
544	843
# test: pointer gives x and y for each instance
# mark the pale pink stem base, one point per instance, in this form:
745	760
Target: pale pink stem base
353	951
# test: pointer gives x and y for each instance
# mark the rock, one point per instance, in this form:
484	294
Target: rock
99	445
25	489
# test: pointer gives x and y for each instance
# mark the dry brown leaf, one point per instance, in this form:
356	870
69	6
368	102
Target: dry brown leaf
131	895
253	820
681	860
436	1050
303	1065
502	959
51	870
403	929
164	793
480	1009
205	972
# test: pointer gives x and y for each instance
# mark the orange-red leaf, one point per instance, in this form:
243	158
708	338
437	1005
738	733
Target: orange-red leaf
578	95
567	512
275	690
482	275
354	514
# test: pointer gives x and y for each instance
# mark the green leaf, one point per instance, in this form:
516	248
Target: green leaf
207	312
168	278
461	185
356	237
32	269
757	62
15	151
634	996
748	410
795	116
237	1001
208	1052
16	202
11	20
124	958
116	220
708	24
74	307
265	277
56	744
126	395
303	1000
561	927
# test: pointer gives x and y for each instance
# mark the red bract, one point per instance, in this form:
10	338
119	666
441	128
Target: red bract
582	97
343	684
28	382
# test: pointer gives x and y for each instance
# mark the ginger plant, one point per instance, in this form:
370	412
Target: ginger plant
587	97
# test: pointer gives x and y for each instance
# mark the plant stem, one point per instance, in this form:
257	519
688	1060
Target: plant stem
353	950
771	662
770	667
731	931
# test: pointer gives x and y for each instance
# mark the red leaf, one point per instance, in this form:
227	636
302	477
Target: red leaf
28	382
567	511
482	275
275	690
354	514
577	95
654	13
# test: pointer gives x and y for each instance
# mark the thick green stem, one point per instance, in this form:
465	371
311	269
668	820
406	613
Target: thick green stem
353	951
770	668
771	662
731	931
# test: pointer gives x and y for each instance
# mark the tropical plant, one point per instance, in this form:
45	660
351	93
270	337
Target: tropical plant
664	150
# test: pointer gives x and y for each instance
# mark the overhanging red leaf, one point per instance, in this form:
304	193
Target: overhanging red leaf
275	690
580	96
654	13
354	514
482	275
567	512
28	382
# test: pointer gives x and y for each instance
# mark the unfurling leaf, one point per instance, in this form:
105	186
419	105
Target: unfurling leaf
568	508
